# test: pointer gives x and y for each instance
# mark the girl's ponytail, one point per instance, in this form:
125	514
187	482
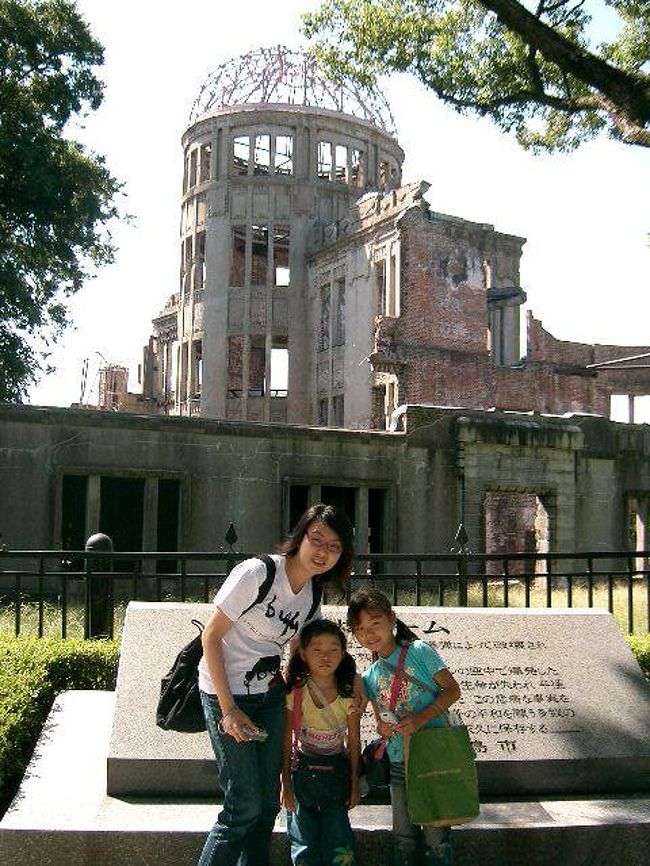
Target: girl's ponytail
403	633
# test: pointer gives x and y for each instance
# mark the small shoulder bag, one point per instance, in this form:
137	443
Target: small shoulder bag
375	764
318	781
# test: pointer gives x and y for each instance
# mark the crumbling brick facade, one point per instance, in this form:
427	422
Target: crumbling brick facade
452	337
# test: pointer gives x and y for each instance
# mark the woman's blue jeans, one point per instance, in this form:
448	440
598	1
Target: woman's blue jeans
414	845
249	776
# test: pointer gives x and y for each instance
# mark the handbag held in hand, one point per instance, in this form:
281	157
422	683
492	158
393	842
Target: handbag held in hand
441	783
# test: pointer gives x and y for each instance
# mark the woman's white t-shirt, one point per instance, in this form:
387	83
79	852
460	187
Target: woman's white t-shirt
252	647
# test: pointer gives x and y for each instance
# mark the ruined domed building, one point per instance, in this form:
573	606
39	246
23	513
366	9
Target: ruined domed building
315	288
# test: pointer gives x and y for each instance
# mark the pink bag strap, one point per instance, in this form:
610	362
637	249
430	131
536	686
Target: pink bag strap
295	723
398	676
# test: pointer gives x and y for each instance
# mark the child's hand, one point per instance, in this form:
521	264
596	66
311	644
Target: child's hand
412	723
354	794
288	798
386	729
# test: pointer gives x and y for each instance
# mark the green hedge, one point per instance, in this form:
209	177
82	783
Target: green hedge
640	646
32	672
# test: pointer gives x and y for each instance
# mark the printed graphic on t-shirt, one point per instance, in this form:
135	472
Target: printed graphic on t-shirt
315	742
266	667
252	646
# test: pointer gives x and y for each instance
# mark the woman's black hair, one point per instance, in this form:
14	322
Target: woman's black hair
336	520
298	671
370	600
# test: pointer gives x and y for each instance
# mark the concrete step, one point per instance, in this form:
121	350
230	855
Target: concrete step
63	817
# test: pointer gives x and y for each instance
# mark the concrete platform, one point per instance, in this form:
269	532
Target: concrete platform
63	817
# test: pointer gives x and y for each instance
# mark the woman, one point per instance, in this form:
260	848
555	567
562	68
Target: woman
242	691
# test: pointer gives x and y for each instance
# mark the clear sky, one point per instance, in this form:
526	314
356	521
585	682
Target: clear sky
586	263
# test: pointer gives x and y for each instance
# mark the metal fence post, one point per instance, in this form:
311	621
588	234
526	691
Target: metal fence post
99	598
461	550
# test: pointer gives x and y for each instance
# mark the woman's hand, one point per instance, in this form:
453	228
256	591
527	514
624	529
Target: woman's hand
233	723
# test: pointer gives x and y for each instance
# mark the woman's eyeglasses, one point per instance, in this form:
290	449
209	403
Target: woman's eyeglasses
319	542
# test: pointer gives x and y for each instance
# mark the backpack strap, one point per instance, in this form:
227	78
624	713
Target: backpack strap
266	584
296	716
317	594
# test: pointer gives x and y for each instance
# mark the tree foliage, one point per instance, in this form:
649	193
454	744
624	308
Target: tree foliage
530	67
55	196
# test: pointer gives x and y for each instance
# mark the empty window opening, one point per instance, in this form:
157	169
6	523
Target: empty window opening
298	503
235	358
257	367
240	154
206	162
338	337
324	160
169	499
199	264
184	368
356	168
342	497
380	279
262	154
516	523
324	325
175	354
260	253
279	370
281	255
121	511
383	174
74	491
376	510
341	163
193	161
284	154
338	410
629	409
392	293
323	412
197	371
200	208
238	256
391	399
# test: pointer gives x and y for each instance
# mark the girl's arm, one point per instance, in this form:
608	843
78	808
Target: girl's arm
288	799
233	719
354	750
359	696
449	694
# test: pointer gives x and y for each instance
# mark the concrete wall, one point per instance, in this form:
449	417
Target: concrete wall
585	470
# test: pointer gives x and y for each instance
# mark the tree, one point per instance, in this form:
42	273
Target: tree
55	197
533	73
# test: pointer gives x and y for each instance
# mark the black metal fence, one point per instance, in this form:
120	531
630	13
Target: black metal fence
85	593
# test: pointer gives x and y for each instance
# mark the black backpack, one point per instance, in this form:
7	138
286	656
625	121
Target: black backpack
179	705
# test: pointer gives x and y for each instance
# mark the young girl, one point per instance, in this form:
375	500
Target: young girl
321	674
373	622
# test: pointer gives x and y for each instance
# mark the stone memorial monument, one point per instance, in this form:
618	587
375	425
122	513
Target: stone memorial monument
553	699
